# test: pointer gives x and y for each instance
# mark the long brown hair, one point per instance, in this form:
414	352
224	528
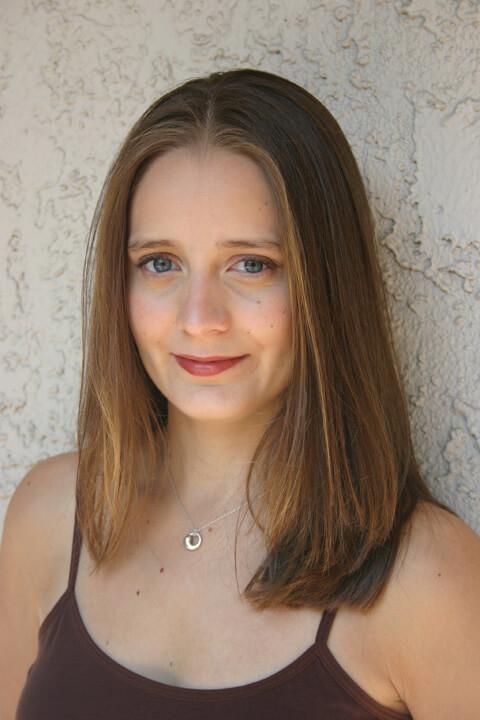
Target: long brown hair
338	471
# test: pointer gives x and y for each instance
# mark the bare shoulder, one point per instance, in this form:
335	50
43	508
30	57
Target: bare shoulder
33	556
440	552
429	616
45	492
39	518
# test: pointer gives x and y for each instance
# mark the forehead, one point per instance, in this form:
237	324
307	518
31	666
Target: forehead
219	186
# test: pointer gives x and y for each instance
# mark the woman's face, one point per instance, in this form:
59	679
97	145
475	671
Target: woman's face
197	293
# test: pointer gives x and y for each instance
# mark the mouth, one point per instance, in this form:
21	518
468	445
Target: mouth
207	366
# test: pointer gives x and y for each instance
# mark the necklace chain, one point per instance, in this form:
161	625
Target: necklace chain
193	539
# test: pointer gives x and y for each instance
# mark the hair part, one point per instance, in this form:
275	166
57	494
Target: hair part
336	462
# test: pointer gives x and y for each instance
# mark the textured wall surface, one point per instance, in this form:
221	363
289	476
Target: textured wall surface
402	77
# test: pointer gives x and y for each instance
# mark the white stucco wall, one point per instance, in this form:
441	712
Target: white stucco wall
401	76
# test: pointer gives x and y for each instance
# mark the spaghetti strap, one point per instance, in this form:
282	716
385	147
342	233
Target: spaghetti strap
325	625
75	555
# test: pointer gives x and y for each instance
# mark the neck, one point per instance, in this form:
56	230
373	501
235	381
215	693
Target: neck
209	463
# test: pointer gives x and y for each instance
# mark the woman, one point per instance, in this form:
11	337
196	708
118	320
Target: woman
224	512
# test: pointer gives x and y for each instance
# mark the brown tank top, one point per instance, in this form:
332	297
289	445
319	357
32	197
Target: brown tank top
72	678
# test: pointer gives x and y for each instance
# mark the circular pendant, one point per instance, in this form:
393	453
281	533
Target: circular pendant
193	540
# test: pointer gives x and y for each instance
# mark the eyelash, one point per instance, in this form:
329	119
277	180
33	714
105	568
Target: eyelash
271	265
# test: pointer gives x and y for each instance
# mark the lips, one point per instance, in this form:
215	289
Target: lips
201	366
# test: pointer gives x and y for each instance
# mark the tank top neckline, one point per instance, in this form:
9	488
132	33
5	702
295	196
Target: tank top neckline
317	650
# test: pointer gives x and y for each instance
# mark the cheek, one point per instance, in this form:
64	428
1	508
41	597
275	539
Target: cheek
272	319
141	311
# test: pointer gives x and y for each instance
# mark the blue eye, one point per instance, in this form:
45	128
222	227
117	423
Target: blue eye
258	261
153	258
164	257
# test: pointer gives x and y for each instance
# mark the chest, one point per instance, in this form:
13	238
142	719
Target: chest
178	617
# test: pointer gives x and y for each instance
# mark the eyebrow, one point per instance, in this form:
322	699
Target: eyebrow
240	242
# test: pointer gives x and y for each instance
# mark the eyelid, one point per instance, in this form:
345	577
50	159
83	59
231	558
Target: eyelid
271	264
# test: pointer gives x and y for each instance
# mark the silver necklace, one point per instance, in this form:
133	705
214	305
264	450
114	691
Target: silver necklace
193	539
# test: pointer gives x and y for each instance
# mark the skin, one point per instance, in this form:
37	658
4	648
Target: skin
205	300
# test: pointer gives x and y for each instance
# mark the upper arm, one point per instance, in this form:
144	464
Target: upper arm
27	559
435	636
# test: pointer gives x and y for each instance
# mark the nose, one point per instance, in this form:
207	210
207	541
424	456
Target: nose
202	305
